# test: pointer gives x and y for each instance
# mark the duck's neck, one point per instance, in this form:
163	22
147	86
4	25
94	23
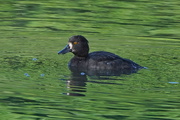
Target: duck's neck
82	54
80	57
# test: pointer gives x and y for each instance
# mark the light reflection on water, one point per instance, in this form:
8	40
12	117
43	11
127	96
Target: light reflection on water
36	83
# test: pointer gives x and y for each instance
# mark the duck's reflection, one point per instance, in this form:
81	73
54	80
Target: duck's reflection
76	85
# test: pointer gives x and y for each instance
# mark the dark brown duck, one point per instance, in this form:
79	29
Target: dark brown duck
99	60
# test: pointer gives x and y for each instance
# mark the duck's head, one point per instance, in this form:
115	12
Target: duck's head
78	45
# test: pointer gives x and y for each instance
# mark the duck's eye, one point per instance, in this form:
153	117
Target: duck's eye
75	43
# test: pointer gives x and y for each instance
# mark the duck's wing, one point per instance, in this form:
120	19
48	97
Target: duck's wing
115	60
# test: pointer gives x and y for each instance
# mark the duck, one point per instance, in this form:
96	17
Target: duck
98	60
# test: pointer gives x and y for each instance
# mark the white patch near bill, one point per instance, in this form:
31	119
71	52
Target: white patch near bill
70	45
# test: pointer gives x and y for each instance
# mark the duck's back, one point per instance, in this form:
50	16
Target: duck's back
101	60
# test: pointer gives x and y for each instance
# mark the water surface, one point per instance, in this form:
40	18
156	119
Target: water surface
36	83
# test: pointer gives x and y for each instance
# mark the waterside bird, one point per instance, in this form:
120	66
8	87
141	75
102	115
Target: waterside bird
98	61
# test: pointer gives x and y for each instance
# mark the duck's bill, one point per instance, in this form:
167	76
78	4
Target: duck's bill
65	50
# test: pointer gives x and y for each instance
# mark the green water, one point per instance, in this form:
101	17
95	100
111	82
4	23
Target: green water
36	83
